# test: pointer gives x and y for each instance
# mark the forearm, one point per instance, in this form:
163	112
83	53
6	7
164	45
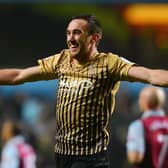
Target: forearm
159	78
9	76
19	76
151	76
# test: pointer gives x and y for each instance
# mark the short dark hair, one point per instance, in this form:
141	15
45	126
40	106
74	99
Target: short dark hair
94	24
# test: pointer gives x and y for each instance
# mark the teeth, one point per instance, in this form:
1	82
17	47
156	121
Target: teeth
73	46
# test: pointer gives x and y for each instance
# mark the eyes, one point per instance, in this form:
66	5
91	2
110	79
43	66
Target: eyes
74	32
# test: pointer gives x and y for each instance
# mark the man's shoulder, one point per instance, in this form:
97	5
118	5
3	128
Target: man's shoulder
9	149
136	124
112	57
109	57
57	56
109	54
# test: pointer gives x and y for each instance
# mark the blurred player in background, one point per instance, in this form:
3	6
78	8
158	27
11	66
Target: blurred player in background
147	141
88	81
16	152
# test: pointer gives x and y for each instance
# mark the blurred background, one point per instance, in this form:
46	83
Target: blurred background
30	30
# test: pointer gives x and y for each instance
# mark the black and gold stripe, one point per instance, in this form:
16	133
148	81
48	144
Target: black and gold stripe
84	101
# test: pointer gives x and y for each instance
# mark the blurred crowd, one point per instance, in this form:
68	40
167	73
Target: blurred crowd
36	114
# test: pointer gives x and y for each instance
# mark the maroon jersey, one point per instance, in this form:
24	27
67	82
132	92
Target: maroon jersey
156	142
27	155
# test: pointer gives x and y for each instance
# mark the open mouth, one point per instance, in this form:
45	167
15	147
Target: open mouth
73	45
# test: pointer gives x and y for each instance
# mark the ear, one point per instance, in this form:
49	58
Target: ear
96	37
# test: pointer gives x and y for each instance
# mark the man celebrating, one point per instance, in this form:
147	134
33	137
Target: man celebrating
88	82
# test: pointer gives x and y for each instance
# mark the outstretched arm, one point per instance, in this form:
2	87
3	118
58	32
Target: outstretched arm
155	77
19	76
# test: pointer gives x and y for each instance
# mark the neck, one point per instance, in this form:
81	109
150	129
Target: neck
85	57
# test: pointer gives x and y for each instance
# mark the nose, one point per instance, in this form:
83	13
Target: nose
70	37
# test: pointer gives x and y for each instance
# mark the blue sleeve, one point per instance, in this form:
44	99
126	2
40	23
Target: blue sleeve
10	157
135	137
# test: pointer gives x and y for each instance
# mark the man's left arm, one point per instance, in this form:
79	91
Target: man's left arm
155	77
135	143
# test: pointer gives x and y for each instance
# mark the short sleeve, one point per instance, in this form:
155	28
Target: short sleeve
10	157
135	137
119	67
48	66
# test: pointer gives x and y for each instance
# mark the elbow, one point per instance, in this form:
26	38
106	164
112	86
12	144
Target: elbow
11	77
134	161
12	82
16	81
135	158
156	82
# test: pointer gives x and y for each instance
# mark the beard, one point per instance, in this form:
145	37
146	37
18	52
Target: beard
73	47
74	52
76	49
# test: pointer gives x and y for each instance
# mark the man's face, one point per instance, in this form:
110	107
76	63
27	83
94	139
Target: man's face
78	40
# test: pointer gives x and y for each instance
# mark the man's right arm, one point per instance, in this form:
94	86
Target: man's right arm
19	76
